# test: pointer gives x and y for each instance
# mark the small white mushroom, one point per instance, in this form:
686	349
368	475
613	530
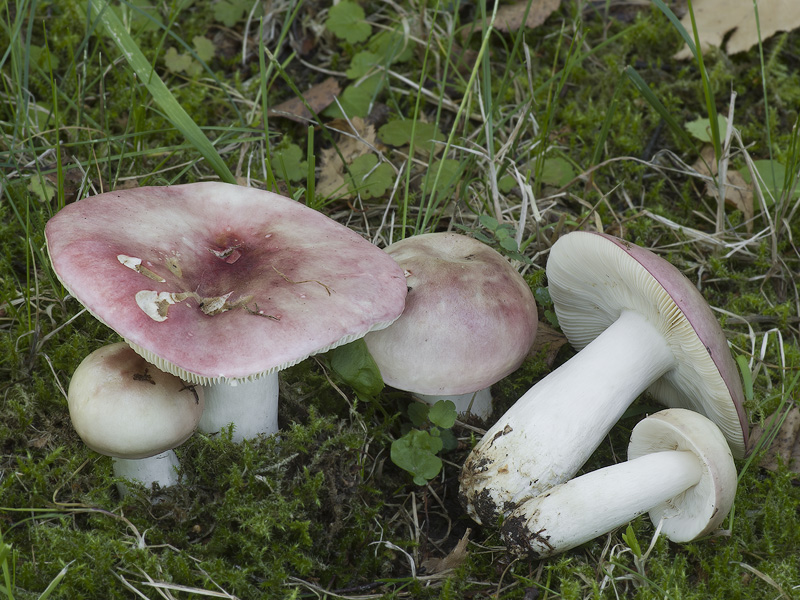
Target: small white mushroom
679	468
124	407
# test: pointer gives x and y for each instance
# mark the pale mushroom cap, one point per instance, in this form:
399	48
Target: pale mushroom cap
470	318
593	277
701	509
122	406
213	282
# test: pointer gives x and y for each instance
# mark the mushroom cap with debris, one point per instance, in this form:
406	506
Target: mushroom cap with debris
214	282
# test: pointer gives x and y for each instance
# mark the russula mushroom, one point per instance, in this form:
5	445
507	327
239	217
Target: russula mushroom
469	320
679	469
122	406
638	324
221	284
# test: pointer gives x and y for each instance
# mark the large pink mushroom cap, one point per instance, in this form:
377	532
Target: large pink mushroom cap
214	282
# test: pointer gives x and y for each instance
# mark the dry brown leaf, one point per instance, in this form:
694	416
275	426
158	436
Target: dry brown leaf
319	97
738	193
715	18
331	170
786	444
547	337
509	16
453	560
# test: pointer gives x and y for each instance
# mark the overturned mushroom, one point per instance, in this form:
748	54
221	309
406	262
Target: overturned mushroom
223	285
470	319
639	325
679	468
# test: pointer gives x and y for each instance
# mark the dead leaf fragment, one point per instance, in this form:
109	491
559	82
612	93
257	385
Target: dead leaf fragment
453	560
785	446
318	97
715	18
331	172
547	337
738	193
510	16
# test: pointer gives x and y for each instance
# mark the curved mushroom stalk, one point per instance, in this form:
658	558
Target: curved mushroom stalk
639	325
251	406
539	442
690	489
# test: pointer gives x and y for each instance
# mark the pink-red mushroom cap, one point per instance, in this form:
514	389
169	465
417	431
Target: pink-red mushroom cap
215	282
470	318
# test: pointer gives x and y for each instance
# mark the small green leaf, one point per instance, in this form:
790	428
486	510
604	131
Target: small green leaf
230	12
204	47
356	99
557	172
355	365
398	133
448	176
506	183
509	244
415	452
542	295
489	222
449	440
774	175
288	163
370	181
362	63
443	414
41	188
747	376
700	128
418	413
629	537
346	21
177	63
392	46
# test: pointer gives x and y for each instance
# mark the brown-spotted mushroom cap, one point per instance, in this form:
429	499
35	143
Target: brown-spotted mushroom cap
470	318
213	282
122	406
639	324
126	408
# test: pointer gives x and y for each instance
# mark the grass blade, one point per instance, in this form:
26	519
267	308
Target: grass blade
99	9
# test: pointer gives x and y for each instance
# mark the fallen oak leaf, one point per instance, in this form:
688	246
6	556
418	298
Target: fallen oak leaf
715	18
453	560
318	97
510	16
738	192
785	447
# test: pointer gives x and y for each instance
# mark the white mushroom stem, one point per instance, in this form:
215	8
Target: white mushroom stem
161	469
478	404
553	429
583	508
251	406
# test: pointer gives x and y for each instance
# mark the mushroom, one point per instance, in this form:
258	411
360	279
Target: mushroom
638	324
221	284
469	320
679	469
122	406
